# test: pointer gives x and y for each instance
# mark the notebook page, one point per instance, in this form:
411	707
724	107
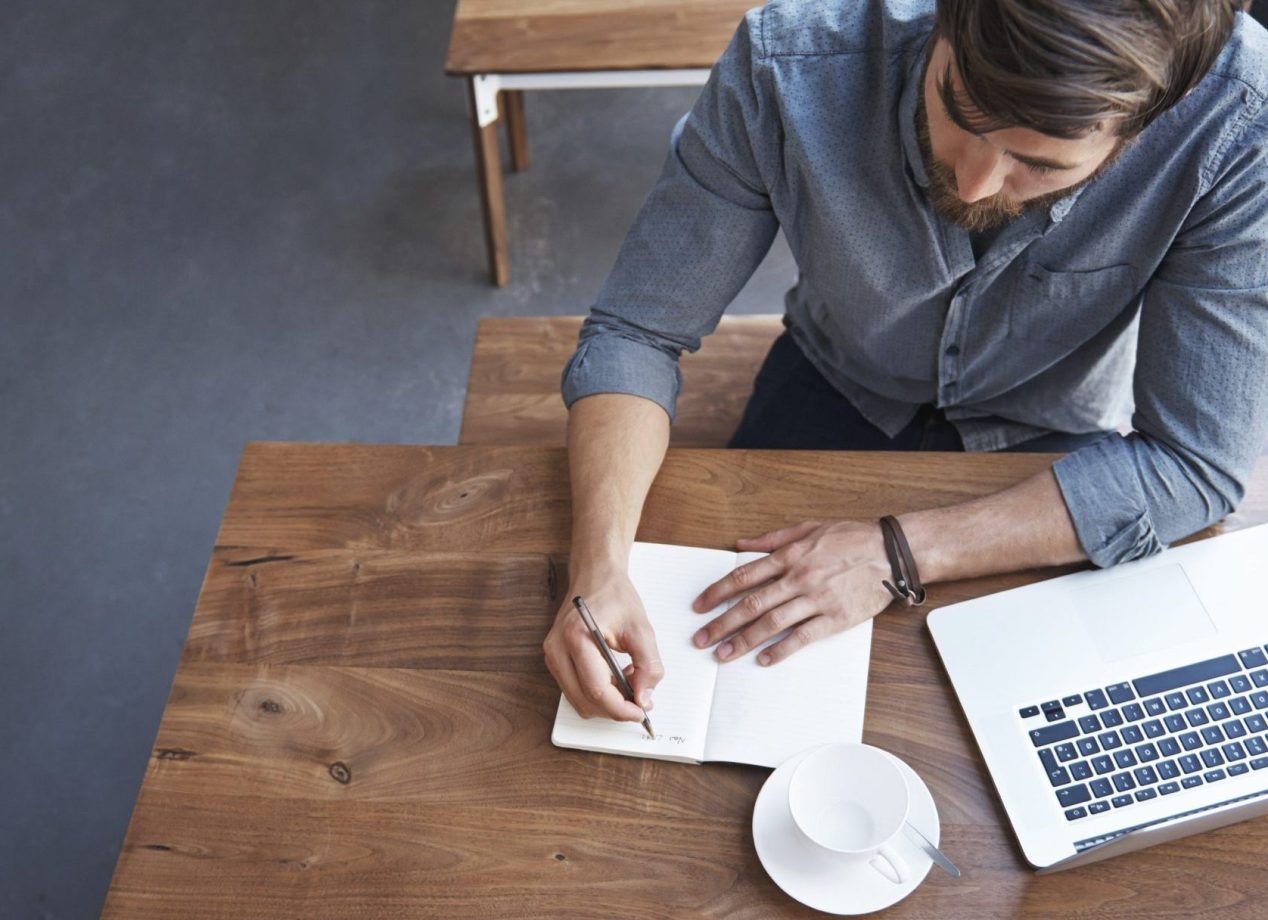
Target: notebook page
667	578
763	715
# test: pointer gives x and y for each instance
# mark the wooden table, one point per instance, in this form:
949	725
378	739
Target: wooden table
504	47
359	726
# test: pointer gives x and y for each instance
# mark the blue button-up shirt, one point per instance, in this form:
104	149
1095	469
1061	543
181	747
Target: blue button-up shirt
1147	288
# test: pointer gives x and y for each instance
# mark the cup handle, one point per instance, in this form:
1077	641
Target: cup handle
894	866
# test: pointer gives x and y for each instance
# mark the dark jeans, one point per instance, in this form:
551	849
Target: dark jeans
793	407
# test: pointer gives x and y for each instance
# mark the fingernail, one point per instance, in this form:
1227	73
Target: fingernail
701	638
763	658
724	650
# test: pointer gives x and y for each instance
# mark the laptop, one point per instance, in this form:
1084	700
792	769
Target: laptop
1120	708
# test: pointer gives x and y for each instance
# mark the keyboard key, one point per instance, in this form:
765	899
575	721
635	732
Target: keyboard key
1109	741
1121	693
1153	729
1239	705
1238	769
1218	689
1056	773
1175	723
1101	787
1102	764
1212	757
1080	770
1066	752
1074	814
1073	795
1234	728
1190	781
1260	678
1126	759
1154	706
1167	769
1259	699
1239	682
1145	776
1259	763
1191	741
1088	747
1027	711
1121	800
1218	711
1234	751
1176	701
1123	781
1256	723
1071	700
1168	788
1256	746
1132	735
1090	724
1189	763
1112	717
1214	776
1133	712
1147	753
1253	658
1211	735
1144	794
1051	704
1095	699
1049	734
1196	717
1197	695
1097	807
1183	676
1169	747
1054	715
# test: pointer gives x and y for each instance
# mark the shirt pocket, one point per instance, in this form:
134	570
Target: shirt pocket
1068	308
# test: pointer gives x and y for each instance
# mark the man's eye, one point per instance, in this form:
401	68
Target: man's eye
1039	170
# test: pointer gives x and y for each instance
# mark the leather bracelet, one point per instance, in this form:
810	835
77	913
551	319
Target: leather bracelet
906	586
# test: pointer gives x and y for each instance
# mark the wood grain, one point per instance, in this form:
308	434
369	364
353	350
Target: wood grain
527	36
513	389
359	726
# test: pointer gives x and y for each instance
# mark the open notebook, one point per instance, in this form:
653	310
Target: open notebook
739	711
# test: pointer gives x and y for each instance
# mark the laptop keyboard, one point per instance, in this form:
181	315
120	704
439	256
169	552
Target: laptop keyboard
1156	735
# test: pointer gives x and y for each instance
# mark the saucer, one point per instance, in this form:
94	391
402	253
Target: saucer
827	882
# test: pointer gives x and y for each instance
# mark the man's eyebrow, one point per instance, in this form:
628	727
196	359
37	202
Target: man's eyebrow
985	125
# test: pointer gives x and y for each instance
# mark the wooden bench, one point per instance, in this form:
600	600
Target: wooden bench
504	47
513	393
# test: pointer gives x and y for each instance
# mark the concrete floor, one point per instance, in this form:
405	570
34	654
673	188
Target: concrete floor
221	221
224	221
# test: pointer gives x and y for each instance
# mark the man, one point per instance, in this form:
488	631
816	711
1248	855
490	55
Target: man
1012	220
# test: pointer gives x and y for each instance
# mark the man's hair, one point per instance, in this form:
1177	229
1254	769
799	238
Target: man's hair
1068	67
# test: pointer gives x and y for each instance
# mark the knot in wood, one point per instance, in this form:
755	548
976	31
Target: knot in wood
270	706
339	770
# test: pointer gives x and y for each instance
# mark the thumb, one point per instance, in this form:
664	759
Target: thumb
639	642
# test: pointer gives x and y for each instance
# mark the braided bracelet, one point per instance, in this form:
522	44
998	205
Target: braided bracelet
906	586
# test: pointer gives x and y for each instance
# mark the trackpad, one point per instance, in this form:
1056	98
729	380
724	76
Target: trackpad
1141	613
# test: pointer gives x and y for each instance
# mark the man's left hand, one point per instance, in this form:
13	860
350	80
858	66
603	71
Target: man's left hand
819	579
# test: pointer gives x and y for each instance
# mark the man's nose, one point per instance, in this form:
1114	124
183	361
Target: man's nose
979	173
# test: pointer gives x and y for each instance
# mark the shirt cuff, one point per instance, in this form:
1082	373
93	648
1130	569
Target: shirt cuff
1103	495
612	364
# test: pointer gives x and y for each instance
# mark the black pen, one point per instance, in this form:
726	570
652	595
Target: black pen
621	682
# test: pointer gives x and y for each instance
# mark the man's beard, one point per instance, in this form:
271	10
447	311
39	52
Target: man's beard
985	213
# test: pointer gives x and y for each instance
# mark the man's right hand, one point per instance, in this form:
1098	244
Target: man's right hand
574	658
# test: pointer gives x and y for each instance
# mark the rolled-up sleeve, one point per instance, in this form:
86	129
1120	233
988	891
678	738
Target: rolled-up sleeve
700	235
1201	380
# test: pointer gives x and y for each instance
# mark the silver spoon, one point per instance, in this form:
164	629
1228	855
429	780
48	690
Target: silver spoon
920	840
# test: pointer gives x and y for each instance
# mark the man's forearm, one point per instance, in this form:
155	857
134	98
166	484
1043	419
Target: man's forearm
1025	526
616	443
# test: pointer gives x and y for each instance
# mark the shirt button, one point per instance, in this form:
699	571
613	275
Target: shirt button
952	351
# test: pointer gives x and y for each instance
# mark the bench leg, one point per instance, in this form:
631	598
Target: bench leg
493	204
516	128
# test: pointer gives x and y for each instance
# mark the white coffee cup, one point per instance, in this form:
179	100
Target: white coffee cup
851	801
